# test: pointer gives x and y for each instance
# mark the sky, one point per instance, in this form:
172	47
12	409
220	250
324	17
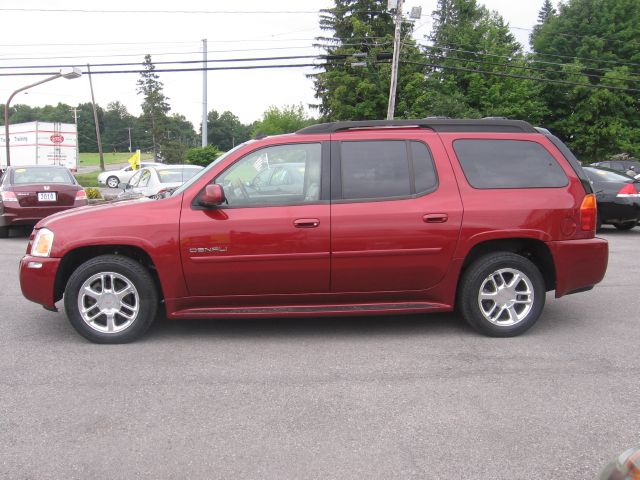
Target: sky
234	30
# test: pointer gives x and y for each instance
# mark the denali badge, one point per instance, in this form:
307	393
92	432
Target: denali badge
207	249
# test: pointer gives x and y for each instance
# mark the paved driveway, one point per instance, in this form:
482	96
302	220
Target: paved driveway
393	397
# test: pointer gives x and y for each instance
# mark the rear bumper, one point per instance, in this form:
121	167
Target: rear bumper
580	264
31	215
37	279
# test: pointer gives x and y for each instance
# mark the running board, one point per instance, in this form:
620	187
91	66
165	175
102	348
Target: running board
312	310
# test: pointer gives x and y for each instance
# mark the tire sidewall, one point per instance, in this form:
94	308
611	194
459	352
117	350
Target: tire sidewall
473	279
135	273
109	179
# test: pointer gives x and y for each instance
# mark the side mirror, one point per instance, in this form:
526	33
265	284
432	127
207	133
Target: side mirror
213	195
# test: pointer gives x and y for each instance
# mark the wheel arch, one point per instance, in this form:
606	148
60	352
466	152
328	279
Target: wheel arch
533	249
76	257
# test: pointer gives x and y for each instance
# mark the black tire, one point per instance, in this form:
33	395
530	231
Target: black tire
4	232
146	300
112	182
477	275
625	226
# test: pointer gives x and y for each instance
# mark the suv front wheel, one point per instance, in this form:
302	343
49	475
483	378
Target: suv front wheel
111	299
501	294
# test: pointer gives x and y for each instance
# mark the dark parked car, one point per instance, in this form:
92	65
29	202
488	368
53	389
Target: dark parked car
30	193
382	217
617	196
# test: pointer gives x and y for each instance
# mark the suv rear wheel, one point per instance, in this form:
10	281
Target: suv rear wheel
502	294
111	299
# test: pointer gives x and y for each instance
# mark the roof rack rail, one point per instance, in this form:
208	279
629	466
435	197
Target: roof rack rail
435	124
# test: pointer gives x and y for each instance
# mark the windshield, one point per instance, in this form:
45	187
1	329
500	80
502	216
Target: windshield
195	178
177	175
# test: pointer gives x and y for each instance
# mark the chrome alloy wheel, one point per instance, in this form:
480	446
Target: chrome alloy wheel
506	297
108	302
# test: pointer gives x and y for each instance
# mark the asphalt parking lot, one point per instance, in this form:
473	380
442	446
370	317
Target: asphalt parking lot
392	397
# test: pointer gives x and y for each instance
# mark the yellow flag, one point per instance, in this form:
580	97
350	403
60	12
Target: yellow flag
134	161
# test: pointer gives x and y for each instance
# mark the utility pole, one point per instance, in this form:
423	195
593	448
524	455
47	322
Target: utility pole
75	120
396	60
95	119
129	128
204	93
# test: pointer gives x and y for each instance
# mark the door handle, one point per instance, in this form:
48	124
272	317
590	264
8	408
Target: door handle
435	218
306	223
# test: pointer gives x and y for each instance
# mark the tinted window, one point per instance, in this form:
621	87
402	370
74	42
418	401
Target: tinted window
423	169
508	164
375	169
277	175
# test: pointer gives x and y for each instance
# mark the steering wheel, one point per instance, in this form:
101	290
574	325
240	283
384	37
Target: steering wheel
243	189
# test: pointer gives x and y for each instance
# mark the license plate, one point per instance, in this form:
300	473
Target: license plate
47	196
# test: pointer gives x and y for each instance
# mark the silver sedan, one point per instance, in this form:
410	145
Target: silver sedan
151	181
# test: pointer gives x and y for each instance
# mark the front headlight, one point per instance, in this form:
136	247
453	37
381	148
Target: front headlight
42	243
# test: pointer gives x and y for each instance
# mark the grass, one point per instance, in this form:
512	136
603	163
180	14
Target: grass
88	179
90	158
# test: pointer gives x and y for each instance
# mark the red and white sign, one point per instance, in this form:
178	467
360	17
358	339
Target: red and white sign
56	138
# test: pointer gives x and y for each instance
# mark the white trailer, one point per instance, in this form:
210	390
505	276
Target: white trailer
40	143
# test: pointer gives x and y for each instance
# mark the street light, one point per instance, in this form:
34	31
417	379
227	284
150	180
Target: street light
64	72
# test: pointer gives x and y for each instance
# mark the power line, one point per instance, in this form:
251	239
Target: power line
523	77
220	60
198	12
508	57
536	69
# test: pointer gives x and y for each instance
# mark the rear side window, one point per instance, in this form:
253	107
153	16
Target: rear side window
386	169
508	164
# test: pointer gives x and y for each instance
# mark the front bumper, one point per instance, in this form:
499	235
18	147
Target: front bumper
580	264
37	279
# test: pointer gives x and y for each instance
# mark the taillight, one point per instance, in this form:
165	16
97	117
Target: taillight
629	190
8	197
81	195
588	213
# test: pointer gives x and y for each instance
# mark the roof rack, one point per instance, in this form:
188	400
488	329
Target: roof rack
435	124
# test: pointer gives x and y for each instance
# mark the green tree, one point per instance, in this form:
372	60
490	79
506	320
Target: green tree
202	156
286	120
225	130
115	127
179	137
544	15
354	81
595	44
154	104
473	60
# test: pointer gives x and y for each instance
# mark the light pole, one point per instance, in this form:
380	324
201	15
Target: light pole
65	72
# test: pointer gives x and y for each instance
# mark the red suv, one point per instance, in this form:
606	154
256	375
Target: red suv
347	218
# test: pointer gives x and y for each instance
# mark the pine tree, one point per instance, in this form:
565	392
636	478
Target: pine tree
544	15
154	105
361	32
471	50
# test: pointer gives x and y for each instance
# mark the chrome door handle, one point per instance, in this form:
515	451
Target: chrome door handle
306	223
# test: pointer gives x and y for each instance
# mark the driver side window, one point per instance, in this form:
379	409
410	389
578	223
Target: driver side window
276	175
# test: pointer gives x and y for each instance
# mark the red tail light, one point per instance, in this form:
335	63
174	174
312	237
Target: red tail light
81	195
8	197
629	190
588	213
